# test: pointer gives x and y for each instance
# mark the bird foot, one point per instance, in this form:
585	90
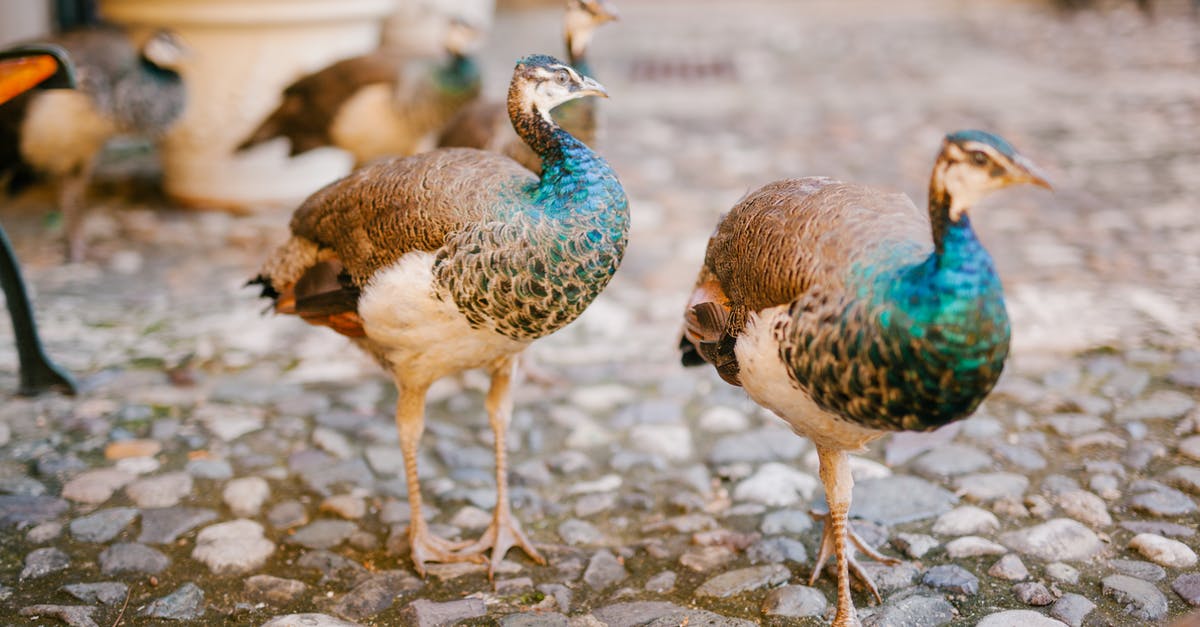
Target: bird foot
427	547
827	549
503	534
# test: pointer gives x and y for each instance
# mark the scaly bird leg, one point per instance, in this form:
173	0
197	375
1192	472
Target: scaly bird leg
426	547
505	531
839	484
855	567
72	192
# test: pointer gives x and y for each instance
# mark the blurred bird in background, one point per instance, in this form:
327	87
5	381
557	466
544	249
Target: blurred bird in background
126	85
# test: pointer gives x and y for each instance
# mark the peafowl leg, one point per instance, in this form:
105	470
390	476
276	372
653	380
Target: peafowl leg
72	192
505	531
835	474
426	547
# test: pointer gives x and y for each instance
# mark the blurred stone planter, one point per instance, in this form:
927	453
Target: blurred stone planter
244	52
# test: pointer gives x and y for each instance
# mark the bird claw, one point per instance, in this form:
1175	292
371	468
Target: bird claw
852	563
426	547
503	534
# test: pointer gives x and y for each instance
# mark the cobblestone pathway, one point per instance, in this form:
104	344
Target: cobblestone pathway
226	466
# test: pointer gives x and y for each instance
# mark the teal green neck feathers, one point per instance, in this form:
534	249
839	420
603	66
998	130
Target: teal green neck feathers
925	340
555	242
460	74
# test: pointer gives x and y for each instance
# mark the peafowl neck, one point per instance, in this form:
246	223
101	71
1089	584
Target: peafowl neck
460	74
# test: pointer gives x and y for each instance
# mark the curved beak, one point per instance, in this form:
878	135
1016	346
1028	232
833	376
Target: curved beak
1028	172
590	87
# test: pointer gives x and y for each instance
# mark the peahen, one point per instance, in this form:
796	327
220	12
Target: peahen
484	124
376	105
125	85
850	313
455	259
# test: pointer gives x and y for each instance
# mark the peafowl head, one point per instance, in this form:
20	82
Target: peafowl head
975	163
582	18
164	49
461	37
541	82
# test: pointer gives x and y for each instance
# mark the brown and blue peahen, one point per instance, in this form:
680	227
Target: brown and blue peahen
850	313
456	259
126	85
484	124
381	104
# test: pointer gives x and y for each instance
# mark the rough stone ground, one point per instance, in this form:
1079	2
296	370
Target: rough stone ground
222	465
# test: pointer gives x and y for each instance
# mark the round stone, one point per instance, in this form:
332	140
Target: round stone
1164	551
973	546
1140	599
1017	618
966	520
1010	567
245	495
233	547
162	491
1058	539
795	602
1085	507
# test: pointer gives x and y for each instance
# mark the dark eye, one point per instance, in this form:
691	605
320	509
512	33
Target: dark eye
562	77
978	157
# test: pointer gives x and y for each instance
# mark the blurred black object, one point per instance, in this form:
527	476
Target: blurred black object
73	13
38	372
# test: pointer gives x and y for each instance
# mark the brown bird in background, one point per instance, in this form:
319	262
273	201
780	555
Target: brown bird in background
485	124
124	87
376	105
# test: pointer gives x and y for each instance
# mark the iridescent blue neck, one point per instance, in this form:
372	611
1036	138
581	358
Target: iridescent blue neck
576	181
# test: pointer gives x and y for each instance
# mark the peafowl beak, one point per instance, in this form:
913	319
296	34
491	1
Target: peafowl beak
591	87
23	73
1027	171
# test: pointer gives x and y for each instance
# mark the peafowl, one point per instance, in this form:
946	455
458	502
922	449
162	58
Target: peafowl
123	87
850	313
376	105
484	124
456	259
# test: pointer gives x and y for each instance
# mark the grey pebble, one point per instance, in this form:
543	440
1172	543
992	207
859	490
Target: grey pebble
789	521
1017	618
1159	527
661	614
891	578
766	444
1021	456
73	615
1010	568
1065	573
914	610
795	602
777	550
290	514
1139	598
308	620
129	557
1058	539
1187	586
376	594
1137	568
661	583
535	619
211	469
604	571
950	460
107	592
323	534
744	580
898	499
426	613
562	595
990	486
333	567
44	532
951	578
1185	478
162	491
102	525
185	603
43	561
1033	593
575	532
914	545
1161	405
1163	502
165	525
232	547
1072	609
